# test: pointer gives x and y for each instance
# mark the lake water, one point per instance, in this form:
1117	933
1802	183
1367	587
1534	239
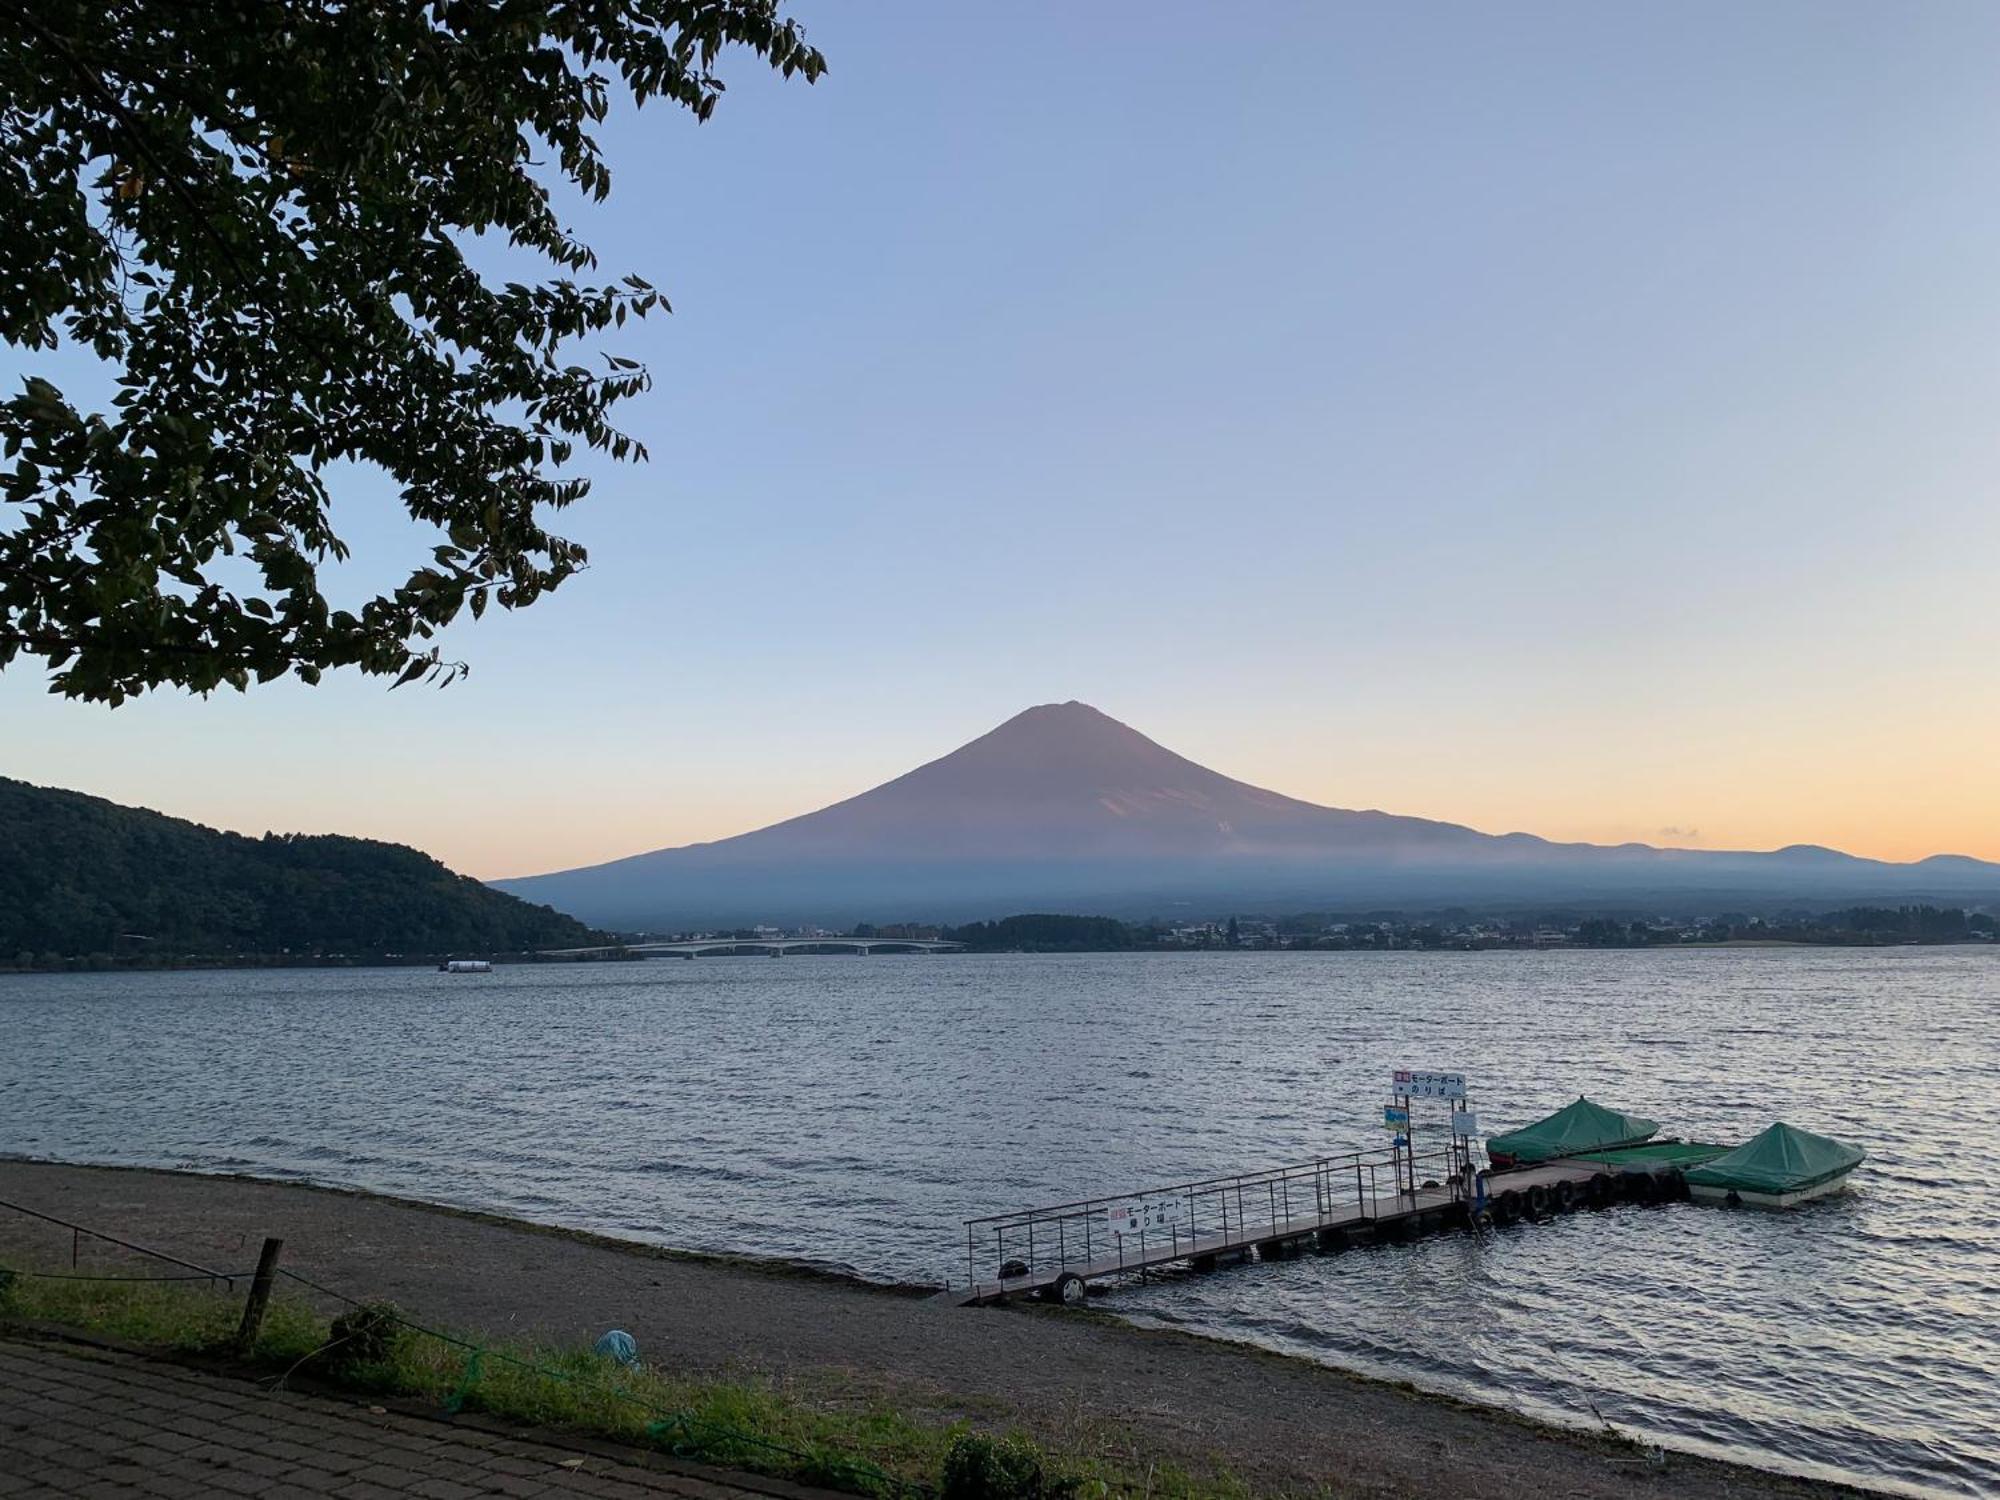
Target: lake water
855	1110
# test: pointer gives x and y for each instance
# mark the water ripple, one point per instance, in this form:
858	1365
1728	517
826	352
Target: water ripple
854	1113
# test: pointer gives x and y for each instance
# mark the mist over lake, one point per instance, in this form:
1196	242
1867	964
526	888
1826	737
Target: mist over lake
853	1111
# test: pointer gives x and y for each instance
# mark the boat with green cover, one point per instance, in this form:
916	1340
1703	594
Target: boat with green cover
1575	1128
1672	1154
1782	1166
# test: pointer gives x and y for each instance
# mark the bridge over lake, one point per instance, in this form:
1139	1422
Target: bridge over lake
775	947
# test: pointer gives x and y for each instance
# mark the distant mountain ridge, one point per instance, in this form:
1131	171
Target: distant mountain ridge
82	876
1064	808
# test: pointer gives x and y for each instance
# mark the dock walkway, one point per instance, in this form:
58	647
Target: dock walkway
1058	1251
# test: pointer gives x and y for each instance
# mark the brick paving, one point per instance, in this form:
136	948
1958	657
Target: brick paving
80	1422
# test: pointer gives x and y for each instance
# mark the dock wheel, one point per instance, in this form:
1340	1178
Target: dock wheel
1069	1290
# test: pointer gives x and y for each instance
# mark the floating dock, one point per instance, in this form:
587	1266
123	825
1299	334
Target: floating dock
1328	1203
1057	1250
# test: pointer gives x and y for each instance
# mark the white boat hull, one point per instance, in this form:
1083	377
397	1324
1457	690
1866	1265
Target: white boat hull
1700	1193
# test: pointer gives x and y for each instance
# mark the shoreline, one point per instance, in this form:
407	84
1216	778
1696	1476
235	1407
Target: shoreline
88	964
785	1267
1283	1422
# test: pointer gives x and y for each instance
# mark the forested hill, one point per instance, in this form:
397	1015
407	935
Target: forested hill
82	876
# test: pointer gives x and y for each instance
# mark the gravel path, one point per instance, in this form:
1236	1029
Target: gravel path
1285	1425
79	1421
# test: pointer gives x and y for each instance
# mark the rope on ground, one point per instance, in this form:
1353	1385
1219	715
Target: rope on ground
112	1239
466	1382
81	1276
681	1431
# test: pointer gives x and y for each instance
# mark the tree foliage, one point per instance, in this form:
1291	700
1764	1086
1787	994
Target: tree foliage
1045	932
81	876
255	213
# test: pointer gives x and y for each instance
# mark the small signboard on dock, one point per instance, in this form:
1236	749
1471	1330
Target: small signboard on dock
1411	1083
1144	1216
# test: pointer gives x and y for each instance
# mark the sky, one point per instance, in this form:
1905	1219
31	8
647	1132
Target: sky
1559	417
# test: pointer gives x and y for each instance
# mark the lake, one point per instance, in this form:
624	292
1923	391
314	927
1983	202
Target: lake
855	1110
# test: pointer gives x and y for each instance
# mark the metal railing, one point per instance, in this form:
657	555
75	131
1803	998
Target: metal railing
1198	1218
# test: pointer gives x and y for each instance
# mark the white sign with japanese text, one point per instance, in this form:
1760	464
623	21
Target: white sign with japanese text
1413	1083
1145	1216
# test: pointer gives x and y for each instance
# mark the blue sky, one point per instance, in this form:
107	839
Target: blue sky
1564	417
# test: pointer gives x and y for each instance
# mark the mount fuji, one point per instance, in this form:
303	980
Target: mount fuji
1063	808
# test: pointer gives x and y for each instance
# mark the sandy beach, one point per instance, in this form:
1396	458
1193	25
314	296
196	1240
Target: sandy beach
1283	1425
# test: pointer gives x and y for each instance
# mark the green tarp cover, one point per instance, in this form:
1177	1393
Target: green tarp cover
1673	1153
1581	1126
1781	1160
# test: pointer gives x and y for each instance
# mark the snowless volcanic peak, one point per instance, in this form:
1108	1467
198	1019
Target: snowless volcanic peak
1060	750
1065	779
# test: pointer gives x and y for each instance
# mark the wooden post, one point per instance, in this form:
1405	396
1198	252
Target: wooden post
260	1298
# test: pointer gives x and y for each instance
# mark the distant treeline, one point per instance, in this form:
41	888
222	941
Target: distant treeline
1043	932
83	880
1857	926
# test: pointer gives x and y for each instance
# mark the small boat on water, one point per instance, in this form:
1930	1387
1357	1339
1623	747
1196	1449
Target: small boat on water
1571	1130
465	966
1777	1169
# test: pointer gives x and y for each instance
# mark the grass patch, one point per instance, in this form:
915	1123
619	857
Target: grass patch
867	1446
161	1315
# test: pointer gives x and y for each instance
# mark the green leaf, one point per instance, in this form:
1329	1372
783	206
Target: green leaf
276	274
